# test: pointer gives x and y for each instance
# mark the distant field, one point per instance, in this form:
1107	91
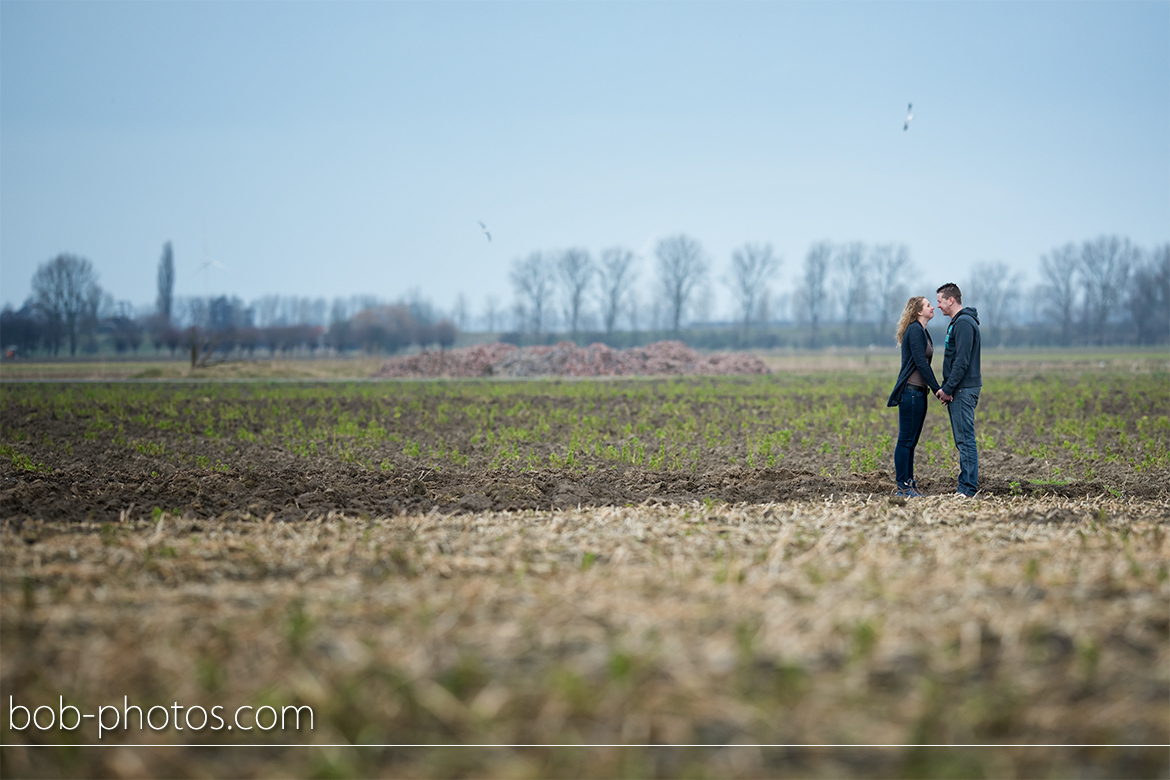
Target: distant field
709	562
294	368
995	362
877	361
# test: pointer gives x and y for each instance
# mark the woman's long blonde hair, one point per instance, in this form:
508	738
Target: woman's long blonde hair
909	314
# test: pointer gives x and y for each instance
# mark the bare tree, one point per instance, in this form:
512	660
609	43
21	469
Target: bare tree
22	328
491	310
445	333
533	283
992	289
778	307
701	310
519	316
387	327
339	327
1058	287
338	311
268	311
166	283
1105	265
459	312
574	270
634	310
656	310
119	321
201	345
191	310
64	290
1150	297
853	266
812	293
201	340
421	309
764	306
682	266
890	267
99	305
752	267
312	311
615	274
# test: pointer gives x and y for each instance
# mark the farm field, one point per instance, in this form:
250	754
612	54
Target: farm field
291	450
879	361
709	562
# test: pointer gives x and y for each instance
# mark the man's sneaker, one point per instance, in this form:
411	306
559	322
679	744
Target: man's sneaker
962	495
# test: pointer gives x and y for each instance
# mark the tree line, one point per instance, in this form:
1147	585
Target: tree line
1100	291
69	312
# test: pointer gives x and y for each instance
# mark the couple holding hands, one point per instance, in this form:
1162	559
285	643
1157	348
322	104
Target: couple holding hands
959	390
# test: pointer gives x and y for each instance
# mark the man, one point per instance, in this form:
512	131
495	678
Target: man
961	382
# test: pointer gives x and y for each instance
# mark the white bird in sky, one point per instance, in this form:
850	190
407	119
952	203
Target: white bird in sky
485	230
909	116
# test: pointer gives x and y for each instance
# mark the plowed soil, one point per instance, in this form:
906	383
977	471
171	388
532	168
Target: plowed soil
136	465
101	495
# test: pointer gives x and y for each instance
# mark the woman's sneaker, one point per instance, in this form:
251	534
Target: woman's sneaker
908	491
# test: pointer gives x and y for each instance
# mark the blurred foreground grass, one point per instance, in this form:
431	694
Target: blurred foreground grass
1001	622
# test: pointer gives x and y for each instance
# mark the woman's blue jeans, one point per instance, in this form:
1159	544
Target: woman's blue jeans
911	415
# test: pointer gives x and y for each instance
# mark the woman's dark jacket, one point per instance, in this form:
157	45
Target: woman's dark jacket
913	356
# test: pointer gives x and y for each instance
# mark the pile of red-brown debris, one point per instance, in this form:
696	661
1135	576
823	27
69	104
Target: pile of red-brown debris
567	359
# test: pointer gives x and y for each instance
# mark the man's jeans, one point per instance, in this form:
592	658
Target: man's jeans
962	411
911	414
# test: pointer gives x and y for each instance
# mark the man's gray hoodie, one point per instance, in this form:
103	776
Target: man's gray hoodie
961	357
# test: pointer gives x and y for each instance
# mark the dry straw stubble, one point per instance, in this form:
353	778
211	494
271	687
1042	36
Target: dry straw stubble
1002	621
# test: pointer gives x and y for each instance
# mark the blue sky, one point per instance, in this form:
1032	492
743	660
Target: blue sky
333	149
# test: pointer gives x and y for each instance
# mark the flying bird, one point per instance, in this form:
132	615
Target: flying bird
485	231
909	116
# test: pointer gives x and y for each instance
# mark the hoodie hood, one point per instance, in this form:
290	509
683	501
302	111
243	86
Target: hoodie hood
969	310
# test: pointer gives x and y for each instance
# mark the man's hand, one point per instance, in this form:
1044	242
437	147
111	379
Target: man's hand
940	395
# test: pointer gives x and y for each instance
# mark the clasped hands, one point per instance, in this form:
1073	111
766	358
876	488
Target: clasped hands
940	395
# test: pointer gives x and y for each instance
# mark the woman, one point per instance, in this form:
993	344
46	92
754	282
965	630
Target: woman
915	384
